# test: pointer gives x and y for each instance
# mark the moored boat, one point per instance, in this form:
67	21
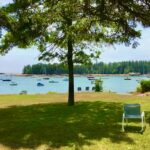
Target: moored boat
127	78
91	77
40	84
6	80
66	79
23	92
46	78
52	81
13	84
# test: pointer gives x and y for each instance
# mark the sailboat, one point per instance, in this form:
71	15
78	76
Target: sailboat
6	79
46	78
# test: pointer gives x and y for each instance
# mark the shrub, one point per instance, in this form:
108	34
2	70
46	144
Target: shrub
145	86
138	89
98	85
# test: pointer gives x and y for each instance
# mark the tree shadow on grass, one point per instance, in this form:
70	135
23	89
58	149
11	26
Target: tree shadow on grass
59	125
147	117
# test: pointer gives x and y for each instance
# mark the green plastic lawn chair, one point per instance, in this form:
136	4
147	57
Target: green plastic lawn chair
133	111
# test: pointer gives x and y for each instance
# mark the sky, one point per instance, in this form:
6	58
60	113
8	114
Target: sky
16	59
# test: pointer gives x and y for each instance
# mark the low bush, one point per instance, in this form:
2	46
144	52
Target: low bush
98	85
138	89
145	86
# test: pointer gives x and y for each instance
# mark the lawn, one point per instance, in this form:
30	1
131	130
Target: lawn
45	122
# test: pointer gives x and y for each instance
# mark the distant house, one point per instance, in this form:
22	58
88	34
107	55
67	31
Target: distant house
134	74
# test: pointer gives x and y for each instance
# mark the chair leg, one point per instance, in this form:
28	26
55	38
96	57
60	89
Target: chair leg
123	123
142	119
144	123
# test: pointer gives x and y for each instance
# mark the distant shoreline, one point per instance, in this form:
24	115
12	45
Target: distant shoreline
76	75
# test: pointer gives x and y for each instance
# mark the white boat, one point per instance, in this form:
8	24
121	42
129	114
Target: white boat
134	74
13	84
91	78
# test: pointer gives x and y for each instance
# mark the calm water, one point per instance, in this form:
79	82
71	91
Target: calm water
113	83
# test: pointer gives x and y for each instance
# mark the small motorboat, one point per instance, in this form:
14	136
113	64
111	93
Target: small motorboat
46	78
23	92
13	84
127	78
7	80
40	84
66	79
53	81
91	77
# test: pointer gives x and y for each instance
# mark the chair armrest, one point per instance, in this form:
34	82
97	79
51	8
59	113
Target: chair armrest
143	114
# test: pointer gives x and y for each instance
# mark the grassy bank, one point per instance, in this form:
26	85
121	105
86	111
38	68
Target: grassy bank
44	122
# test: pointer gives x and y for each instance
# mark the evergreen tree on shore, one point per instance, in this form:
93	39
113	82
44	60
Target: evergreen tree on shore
142	67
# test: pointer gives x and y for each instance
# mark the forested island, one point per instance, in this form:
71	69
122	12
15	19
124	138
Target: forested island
125	67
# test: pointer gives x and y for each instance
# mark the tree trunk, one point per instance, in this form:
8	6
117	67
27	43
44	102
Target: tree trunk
71	72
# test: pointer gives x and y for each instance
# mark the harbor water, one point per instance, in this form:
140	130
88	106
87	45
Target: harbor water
59	84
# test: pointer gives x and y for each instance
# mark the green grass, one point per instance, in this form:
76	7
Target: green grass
45	122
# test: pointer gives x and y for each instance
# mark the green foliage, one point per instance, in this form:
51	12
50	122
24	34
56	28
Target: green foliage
49	24
27	70
5	21
98	85
45	69
139	89
141	67
145	86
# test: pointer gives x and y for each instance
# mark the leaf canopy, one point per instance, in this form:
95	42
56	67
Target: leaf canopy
90	23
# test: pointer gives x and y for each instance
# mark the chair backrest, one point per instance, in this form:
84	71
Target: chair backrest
132	109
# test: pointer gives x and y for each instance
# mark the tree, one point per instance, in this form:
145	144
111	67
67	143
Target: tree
72	30
4	21
27	70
